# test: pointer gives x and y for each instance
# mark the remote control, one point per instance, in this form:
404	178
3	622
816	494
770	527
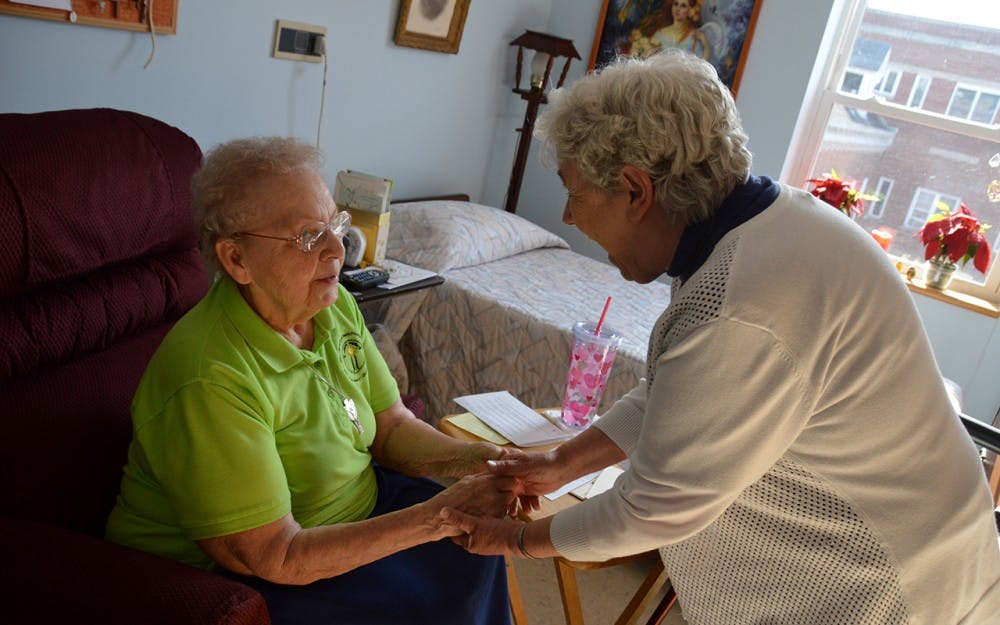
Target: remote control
361	279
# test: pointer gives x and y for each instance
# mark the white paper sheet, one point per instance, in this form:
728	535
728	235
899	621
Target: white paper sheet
401	273
506	414
604	481
579	484
65	5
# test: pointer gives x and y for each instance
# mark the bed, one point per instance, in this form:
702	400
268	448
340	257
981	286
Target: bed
503	318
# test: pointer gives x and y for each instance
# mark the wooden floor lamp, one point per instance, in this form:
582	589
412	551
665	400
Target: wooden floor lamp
547	48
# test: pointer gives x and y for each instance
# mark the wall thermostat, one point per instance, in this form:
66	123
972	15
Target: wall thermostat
354	246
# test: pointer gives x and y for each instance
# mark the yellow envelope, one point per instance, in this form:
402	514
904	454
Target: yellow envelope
471	424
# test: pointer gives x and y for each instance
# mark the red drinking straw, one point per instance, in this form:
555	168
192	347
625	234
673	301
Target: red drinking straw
604	313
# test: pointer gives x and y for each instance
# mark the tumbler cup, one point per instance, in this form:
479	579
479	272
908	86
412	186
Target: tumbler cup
589	365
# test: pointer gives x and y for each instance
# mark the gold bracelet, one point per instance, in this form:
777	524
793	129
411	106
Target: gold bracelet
520	542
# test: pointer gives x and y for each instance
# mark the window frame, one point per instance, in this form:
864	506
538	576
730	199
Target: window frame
896	77
917	79
824	94
858	75
979	91
877	207
951	201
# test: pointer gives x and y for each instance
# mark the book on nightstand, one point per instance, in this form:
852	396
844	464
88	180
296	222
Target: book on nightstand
367	199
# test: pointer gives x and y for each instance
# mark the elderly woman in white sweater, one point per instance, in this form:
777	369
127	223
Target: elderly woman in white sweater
794	454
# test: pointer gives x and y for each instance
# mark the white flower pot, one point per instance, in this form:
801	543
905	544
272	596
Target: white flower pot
939	274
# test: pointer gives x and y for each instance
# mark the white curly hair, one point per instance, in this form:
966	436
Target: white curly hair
223	189
667	114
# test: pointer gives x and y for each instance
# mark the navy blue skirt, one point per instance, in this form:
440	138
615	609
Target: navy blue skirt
435	583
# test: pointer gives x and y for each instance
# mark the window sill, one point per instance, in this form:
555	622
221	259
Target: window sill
968	302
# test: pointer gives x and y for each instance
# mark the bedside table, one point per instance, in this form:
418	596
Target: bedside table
378	293
388	314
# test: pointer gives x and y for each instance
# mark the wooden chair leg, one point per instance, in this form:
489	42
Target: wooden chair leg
569	591
655	580
516	600
661	610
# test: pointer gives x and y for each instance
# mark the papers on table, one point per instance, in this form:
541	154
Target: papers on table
589	485
507	415
571	487
603	482
401	274
582	488
471	424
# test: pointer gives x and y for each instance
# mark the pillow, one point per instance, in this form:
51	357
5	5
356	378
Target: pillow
442	234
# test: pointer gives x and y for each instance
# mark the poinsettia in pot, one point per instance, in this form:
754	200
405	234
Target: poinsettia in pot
840	194
953	238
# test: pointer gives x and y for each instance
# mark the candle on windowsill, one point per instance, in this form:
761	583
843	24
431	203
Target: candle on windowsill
884	236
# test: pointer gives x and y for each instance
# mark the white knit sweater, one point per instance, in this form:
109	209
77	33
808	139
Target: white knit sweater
794	454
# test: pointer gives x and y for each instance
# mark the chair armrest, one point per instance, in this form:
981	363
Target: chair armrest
51	574
982	433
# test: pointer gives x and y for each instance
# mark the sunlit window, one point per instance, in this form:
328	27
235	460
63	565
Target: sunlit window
883	191
911	99
925	203
921	84
973	104
887	86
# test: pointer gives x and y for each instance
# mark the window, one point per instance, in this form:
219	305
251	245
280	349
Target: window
887	86
932	140
882	191
925	203
973	104
852	82
921	84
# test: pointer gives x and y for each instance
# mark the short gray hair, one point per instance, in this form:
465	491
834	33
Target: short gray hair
222	190
669	115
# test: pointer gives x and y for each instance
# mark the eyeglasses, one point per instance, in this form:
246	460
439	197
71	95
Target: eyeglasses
311	236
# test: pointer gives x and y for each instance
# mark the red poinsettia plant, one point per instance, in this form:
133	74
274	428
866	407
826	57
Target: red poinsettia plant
840	194
955	237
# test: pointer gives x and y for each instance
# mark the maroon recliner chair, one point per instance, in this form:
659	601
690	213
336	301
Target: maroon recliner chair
98	258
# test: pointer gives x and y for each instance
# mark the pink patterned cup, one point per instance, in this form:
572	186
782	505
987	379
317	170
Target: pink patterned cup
589	365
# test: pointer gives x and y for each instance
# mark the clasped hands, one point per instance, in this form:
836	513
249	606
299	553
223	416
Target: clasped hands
482	512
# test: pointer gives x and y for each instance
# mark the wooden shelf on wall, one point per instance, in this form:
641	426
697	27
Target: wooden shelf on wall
125	14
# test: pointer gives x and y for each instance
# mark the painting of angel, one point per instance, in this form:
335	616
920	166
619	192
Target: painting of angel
718	31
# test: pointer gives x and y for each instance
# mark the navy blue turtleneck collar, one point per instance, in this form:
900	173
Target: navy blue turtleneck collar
698	240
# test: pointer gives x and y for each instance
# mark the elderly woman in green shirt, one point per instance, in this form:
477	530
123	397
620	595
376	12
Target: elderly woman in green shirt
270	442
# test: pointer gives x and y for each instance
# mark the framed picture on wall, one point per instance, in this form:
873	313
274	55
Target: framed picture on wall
431	24
718	31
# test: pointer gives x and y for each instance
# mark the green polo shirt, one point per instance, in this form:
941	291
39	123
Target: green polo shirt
234	427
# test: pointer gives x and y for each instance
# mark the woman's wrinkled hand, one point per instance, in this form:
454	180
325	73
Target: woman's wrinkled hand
479	495
477	455
482	535
536	473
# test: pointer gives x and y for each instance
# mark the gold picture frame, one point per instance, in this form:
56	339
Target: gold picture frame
626	28
431	24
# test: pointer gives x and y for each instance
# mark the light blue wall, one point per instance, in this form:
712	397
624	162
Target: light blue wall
433	122
423	118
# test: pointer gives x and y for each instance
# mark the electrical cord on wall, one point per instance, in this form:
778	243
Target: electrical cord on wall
152	32
320	46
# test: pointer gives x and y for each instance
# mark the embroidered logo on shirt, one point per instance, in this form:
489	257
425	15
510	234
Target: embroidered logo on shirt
352	356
